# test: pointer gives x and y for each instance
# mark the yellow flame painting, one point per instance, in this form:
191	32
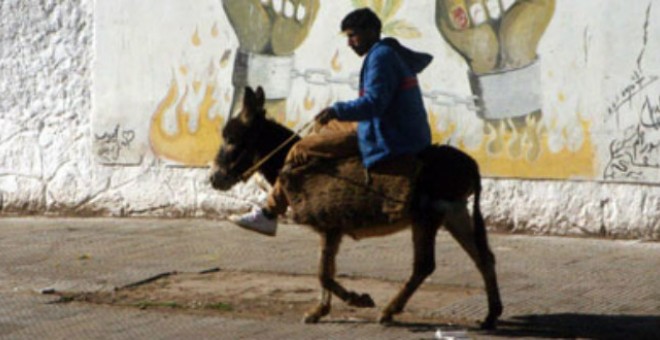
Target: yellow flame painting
525	153
187	147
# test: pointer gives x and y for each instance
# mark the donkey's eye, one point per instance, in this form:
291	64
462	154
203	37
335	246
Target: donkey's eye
230	139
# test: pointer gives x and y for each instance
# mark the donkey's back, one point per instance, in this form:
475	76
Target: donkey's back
448	174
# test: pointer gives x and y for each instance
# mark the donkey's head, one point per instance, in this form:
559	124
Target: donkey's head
239	150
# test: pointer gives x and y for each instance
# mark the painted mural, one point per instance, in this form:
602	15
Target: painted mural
530	88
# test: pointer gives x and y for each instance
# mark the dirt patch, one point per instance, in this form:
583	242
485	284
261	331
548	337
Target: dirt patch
272	296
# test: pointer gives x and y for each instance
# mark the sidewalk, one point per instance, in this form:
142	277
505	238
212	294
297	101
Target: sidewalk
551	287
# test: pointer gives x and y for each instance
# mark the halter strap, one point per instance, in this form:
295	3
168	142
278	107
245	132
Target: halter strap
249	172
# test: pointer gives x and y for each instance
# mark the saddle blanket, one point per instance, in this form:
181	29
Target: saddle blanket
340	192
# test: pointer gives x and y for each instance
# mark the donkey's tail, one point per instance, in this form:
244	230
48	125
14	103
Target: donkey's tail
479	226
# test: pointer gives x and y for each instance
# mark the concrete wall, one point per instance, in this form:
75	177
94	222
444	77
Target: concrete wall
94	100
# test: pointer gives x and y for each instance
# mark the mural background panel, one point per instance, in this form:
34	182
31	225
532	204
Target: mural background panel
532	89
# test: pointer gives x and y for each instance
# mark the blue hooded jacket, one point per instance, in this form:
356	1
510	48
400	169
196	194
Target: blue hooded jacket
390	111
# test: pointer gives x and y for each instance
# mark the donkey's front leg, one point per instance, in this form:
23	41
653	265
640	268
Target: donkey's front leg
327	268
321	310
423	266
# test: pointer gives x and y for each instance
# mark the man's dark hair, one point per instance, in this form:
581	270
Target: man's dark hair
361	19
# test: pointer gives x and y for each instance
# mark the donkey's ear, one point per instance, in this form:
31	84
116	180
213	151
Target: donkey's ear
260	97
249	102
249	96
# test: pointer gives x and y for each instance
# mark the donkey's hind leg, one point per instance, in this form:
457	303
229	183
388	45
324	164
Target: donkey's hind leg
459	225
424	264
329	249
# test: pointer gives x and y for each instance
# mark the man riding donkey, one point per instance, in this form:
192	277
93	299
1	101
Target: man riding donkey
392	123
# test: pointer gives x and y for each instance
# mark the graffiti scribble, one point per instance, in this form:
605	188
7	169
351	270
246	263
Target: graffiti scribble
111	143
637	154
650	117
638	82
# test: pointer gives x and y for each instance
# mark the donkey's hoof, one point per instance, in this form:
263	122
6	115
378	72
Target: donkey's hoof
311	318
362	301
489	324
386	319
315	314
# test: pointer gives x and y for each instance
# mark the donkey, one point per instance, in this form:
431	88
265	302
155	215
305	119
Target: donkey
447	178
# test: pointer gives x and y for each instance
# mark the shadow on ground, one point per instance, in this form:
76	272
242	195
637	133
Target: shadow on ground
560	326
589	326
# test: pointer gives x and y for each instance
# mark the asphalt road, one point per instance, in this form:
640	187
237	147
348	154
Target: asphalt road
551	286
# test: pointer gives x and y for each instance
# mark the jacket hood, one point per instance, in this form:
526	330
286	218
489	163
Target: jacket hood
417	61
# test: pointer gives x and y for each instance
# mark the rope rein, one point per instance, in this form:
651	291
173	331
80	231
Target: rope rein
249	172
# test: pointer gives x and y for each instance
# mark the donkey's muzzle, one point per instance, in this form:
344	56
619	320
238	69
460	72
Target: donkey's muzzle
222	182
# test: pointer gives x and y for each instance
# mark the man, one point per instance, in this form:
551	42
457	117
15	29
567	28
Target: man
390	115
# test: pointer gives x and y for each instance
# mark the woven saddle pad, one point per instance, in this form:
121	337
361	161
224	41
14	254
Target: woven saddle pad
340	192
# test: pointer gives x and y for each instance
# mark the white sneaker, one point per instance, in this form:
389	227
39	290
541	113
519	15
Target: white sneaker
255	220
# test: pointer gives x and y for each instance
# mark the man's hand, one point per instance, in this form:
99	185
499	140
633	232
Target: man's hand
325	116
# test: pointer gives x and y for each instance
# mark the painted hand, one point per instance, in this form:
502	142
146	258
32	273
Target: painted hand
498	39
275	27
494	35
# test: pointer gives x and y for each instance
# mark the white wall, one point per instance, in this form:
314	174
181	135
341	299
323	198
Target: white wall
48	163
